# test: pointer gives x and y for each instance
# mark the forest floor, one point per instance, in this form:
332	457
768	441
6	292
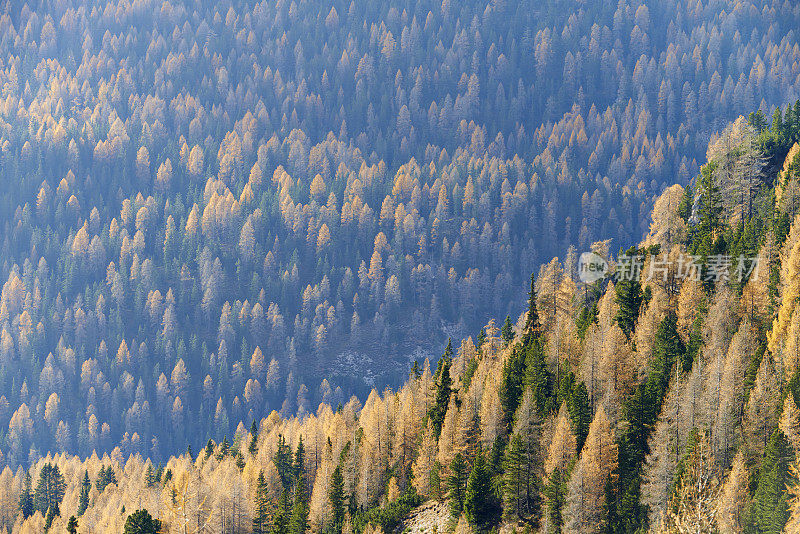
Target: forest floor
430	517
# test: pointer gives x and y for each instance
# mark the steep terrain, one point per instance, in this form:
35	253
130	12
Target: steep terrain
631	403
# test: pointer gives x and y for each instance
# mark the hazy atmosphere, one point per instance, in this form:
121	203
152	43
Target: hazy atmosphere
376	267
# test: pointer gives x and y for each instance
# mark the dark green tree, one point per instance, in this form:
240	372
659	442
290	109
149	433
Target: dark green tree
72	525
261	506
556	494
511	384
283	462
515	472
141	522
49	488
52	512
86	487
507	331
457	484
479	502
298	522
444	382
580	413
26	502
253	438
280	524
769	509
336	497
532	326
629	298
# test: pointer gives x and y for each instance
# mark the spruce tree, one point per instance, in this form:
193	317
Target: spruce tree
337	499
444	382
298	523
769	509
629	298
511	384
456	484
507	331
253	438
26	502
532	327
479	505
86	487
514	467
580	414
283	462
280	524
50	488
261	506
72	525
556	494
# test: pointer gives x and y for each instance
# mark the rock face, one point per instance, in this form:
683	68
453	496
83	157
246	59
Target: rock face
433	516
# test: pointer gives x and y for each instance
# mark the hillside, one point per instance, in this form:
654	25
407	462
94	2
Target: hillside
630	403
213	210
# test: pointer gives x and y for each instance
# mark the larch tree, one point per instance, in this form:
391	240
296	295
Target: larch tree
424	463
734	497
693	507
586	487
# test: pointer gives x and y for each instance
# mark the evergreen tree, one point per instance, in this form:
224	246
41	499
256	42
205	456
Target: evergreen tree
72	525
507	331
556	494
261	506
26	502
283	462
141	522
537	377
629	298
444	382
50	489
511	385
532	326
337	499
580	414
514	479
52	512
280	525
769	509
298	523
86	487
456	484
640	413
479	505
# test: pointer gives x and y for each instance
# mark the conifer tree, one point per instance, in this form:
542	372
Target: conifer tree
298	522
479	503
252	447
629	299
283	462
280	524
511	385
769	510
261	506
441	399
456	484
336	497
26	502
86	487
507	331
50	489
72	525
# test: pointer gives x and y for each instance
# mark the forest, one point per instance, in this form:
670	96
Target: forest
216	210
666	403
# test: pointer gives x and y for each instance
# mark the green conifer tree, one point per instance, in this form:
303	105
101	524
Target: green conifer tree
769	509
86	487
337	499
261	506
479	505
456	484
